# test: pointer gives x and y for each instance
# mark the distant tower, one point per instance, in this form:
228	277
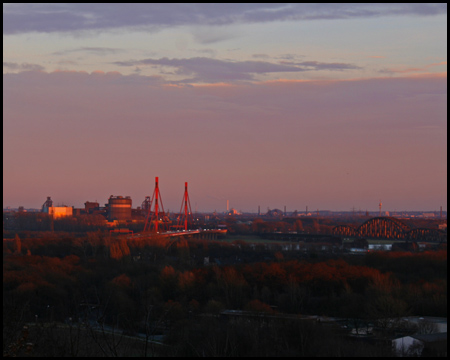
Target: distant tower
306	210
380	207
228	206
48	203
284	210
440	215
259	210
146	205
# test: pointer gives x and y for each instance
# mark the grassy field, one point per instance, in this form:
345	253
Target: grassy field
253	239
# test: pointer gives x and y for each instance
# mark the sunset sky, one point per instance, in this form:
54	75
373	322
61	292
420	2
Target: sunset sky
330	106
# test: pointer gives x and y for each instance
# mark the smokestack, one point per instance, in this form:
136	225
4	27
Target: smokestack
284	210
259	210
380	207
306	210
228	205
441	213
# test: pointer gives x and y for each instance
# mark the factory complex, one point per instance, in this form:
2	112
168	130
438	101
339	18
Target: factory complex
118	208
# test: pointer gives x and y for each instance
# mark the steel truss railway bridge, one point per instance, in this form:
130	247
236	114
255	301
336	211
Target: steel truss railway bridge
389	228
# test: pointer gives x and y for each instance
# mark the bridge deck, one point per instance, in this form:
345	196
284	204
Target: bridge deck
185	233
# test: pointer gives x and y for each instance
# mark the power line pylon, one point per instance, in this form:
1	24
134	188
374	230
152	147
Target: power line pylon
187	216
152	218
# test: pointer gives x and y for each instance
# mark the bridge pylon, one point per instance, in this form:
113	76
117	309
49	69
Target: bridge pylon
152	219
186	216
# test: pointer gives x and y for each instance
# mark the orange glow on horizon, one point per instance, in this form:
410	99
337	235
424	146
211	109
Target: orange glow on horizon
425	75
407	75
318	81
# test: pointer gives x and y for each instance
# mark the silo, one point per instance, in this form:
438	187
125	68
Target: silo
119	208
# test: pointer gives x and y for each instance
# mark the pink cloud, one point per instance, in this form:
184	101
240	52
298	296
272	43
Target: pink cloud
424	68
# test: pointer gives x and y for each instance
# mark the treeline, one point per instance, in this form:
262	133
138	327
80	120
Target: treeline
155	286
24	222
261	226
312	225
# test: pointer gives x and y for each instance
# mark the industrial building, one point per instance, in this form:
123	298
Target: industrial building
56	211
119	208
91	207
60	211
48	203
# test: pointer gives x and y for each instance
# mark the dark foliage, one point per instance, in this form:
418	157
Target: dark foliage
96	289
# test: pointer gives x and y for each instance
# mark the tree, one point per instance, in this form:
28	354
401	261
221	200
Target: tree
387	311
183	251
124	247
115	252
258	306
427	327
298	226
316	226
17	245
233	284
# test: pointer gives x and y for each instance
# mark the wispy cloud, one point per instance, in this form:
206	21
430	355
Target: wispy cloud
260	56
22	67
406	70
315	65
213	34
71	17
210	52
201	69
91	50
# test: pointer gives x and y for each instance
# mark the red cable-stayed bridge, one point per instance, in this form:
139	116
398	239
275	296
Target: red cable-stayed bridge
157	222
